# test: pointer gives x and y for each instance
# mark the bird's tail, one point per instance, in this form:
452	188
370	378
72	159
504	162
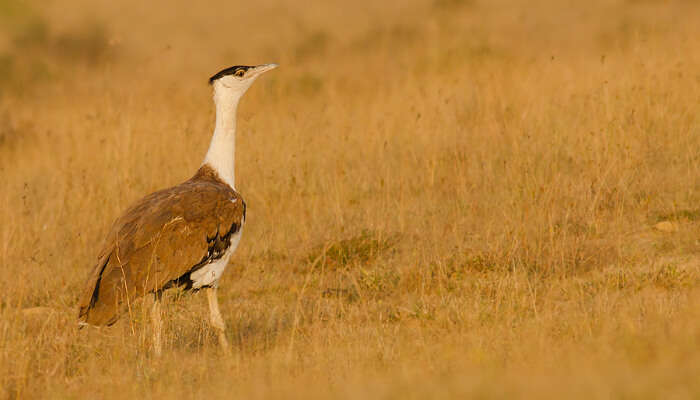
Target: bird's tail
99	303
97	316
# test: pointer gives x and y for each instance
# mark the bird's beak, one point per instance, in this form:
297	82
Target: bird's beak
263	68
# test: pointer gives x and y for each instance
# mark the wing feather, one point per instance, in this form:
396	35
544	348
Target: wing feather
156	242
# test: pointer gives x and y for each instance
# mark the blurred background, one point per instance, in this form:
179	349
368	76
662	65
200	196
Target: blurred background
56	41
447	198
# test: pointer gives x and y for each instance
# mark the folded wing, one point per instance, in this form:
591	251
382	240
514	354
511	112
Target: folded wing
158	242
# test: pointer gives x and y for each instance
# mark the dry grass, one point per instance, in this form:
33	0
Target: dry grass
447	199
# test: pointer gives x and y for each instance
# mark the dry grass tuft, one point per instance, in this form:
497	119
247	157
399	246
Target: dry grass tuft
362	249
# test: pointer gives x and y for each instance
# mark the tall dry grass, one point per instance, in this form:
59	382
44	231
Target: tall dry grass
447	198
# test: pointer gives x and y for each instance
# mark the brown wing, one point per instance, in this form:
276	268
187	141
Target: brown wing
159	240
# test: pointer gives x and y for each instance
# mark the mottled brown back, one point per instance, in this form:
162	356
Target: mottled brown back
159	239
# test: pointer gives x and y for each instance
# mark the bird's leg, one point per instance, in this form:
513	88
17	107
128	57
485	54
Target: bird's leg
216	320
157	323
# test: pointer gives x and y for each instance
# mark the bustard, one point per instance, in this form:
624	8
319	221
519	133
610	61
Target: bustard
180	236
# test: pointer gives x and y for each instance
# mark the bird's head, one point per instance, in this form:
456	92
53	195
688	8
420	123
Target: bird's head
234	81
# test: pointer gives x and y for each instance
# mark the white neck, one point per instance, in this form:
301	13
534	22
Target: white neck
221	154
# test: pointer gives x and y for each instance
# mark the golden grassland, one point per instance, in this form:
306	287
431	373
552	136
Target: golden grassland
446	198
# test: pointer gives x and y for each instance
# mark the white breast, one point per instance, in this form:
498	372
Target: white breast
210	274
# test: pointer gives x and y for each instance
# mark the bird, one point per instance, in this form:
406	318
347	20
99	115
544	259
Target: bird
182	236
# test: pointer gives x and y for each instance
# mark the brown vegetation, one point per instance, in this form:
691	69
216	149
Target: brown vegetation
445	198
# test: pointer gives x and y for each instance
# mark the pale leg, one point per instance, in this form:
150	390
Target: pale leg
216	320
157	323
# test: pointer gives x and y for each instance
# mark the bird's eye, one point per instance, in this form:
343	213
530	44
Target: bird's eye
239	73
